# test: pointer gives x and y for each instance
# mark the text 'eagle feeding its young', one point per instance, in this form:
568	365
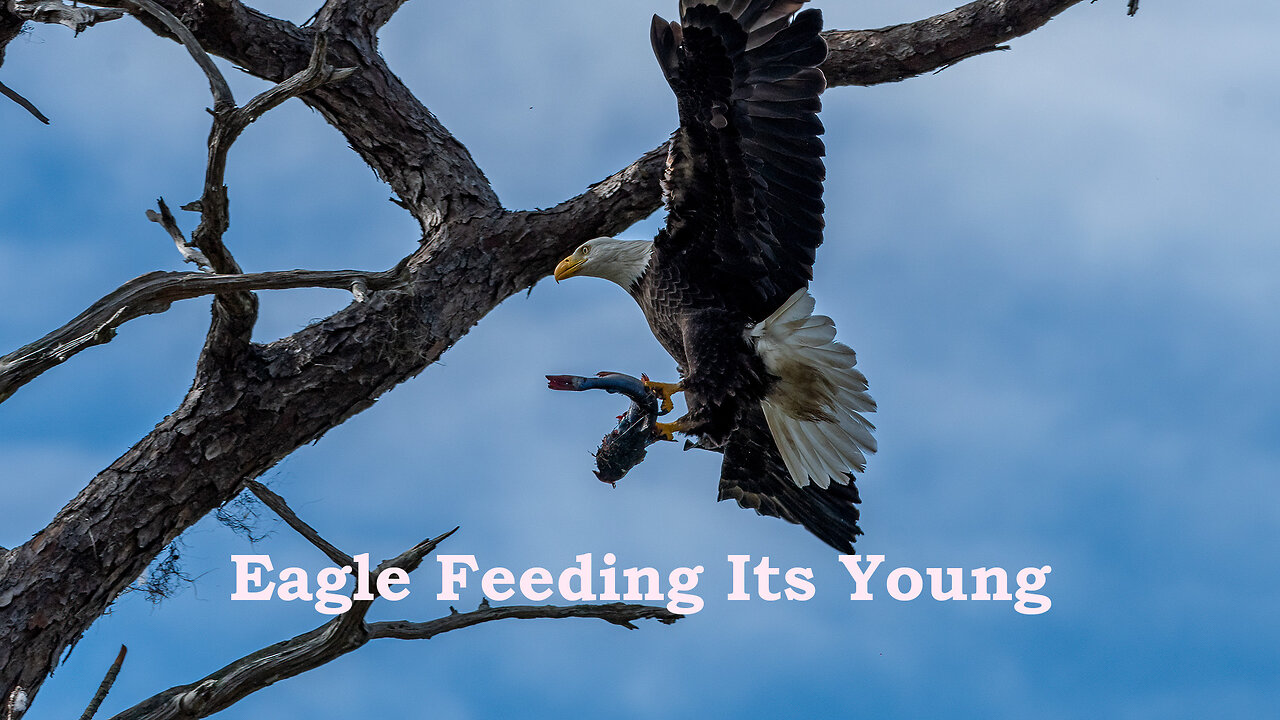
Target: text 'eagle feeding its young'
724	284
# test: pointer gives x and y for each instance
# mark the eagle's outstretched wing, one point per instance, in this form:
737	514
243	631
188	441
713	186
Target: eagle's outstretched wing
744	179
743	189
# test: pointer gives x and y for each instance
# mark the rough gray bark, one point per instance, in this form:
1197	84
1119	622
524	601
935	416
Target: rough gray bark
898	52
10	26
251	405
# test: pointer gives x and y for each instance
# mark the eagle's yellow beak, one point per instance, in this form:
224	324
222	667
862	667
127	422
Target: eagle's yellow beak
568	267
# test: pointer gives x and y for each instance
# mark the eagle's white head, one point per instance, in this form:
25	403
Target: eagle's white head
622	261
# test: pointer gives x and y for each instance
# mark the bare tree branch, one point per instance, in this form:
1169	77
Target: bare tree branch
154	293
281	508
379	116
871	57
535	238
410	559
105	687
236	313
23	102
348	632
44	11
613	613
228	124
222	97
55	12
315	74
292	657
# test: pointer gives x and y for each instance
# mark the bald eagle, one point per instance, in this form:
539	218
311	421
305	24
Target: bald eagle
724	285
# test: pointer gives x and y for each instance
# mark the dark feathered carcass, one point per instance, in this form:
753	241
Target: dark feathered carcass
624	447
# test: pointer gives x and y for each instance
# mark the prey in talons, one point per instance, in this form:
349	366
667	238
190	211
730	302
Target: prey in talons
624	447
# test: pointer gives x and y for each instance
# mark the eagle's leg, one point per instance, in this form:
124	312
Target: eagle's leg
664	391
667	431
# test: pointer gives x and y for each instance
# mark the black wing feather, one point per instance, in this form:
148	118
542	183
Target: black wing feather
743	186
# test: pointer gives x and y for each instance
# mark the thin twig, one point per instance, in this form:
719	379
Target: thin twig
105	687
281	508
222	97
315	74
25	103
618	614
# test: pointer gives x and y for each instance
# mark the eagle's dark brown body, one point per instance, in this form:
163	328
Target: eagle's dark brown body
720	370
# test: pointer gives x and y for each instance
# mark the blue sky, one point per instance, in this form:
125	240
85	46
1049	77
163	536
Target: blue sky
1057	264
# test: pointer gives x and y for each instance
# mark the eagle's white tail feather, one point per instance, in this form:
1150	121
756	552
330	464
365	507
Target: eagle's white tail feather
815	336
814	411
789	436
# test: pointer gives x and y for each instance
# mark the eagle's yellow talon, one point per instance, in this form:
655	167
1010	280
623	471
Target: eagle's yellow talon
664	391
667	431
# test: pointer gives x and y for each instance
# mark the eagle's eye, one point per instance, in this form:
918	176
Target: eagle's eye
584	250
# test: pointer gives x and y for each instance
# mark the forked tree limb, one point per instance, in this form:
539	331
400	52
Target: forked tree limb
250	408
154	293
432	173
235	314
225	687
347	632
